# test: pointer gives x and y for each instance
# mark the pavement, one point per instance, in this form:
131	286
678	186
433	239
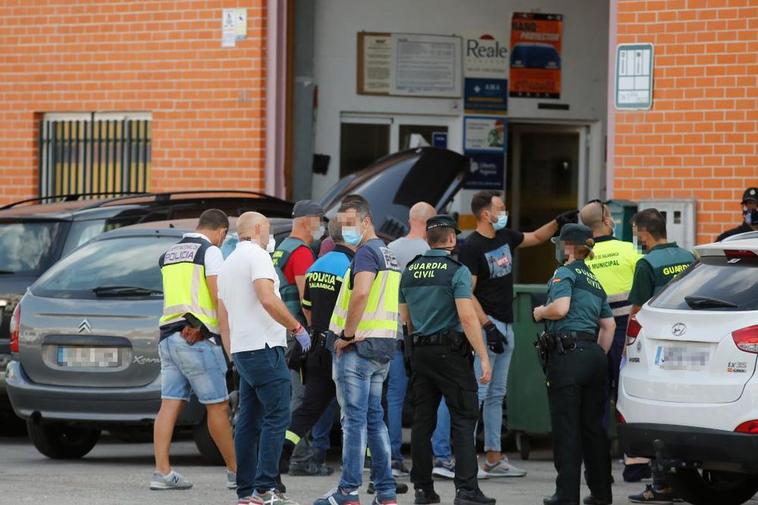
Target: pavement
118	473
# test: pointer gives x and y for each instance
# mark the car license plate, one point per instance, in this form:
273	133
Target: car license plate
88	357
682	358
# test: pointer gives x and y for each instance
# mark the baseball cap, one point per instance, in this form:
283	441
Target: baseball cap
442	221
750	194
574	233
305	208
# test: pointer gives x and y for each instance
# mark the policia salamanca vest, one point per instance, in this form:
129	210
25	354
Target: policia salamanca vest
185	288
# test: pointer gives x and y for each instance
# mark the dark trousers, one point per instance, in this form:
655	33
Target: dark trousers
439	373
319	393
614	365
576	392
265	391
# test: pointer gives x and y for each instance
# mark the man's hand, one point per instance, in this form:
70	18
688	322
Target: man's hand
340	345
486	369
495	339
571	216
302	336
192	335
537	313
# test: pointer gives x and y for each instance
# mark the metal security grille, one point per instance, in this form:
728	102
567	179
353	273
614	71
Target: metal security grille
94	155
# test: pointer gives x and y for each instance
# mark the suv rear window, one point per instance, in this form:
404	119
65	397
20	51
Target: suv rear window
26	246
731	280
117	262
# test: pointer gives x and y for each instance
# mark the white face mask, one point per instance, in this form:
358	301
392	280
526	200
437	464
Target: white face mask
271	246
318	232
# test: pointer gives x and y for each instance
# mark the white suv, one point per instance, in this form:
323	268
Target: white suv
689	390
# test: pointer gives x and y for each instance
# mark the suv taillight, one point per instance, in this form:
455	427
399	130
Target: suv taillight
620	418
15	327
750	427
739	253
746	339
633	328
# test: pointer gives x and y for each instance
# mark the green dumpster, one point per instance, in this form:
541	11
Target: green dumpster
622	212
528	414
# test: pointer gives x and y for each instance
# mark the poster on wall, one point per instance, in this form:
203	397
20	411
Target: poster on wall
535	55
485	72
401	64
484	142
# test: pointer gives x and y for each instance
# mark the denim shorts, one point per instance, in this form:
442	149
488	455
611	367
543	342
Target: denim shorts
199	368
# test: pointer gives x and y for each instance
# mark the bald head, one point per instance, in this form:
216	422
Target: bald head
597	216
418	216
253	226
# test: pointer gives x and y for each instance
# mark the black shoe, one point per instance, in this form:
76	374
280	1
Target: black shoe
280	485
426	497
469	497
553	500
637	472
400	488
651	495
591	500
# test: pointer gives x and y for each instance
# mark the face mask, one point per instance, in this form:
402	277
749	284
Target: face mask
639	244
351	235
318	232
271	246
502	221
751	216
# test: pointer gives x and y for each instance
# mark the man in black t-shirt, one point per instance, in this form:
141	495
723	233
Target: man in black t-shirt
488	253
749	215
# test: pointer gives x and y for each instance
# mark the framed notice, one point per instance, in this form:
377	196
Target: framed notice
409	65
634	76
536	55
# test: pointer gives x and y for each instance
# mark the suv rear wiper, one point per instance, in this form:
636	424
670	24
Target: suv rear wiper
125	291
7	272
704	302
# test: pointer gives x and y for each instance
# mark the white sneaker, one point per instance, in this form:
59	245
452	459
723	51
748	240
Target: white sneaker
172	480
444	468
502	468
482	475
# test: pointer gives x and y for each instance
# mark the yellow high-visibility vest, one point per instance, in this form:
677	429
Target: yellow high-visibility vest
613	265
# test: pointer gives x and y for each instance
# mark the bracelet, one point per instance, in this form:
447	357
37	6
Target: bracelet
346	339
297	329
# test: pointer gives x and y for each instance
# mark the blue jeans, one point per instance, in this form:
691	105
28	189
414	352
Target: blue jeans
198	368
441	437
493	394
264	415
397	383
359	384
323	428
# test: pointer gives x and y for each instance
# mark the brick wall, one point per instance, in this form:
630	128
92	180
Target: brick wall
699	140
163	57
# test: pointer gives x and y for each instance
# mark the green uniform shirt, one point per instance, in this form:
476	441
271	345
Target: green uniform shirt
589	302
661	264
430	285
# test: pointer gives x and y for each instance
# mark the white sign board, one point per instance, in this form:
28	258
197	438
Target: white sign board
486	55
634	76
426	65
233	26
483	133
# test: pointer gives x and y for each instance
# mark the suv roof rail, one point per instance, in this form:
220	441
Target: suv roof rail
166	196
72	197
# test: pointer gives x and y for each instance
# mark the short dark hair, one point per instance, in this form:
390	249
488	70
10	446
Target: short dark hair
335	230
213	219
357	203
651	221
482	200
438	235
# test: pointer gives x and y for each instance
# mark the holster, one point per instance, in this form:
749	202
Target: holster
407	350
542	345
457	342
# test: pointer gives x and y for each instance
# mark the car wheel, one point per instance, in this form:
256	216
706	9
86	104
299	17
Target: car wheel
60	440
705	487
202	435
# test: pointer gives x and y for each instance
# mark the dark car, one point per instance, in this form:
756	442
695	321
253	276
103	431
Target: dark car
535	55
34	236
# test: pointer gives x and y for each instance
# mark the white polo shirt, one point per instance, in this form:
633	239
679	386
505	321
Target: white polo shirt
251	327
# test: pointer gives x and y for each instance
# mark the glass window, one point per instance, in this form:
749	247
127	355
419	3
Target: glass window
730	280
25	247
361	144
119	261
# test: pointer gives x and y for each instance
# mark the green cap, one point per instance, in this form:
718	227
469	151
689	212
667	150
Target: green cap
442	221
573	233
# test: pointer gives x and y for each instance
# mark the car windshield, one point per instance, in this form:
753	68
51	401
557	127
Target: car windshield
26	247
716	283
108	266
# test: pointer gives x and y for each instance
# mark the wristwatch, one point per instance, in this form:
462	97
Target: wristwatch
345	338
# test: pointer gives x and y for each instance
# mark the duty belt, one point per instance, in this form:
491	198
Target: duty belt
436	339
566	341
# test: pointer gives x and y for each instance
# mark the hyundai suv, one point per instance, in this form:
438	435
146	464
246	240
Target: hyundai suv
33	236
689	390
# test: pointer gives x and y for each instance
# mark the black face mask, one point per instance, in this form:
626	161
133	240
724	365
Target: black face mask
751	216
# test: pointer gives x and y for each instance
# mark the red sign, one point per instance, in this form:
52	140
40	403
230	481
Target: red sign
536	55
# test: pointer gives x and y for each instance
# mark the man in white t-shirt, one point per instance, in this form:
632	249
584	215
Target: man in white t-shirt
255	320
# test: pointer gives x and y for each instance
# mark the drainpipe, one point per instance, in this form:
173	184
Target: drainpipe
611	125
276	95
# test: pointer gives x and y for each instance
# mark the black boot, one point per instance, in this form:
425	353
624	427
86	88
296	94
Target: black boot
426	497
472	497
400	488
553	500
591	500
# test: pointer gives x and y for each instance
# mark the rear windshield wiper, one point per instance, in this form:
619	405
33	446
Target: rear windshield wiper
704	302
125	291
7	272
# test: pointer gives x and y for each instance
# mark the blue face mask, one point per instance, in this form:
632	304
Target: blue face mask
351	235
502	221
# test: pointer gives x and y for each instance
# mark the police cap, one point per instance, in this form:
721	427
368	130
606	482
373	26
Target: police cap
574	233
442	221
750	194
